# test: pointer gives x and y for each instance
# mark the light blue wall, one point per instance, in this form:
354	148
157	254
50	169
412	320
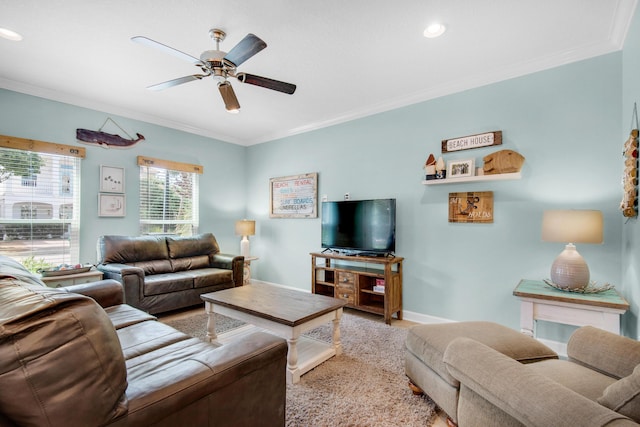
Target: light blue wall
222	186
565	121
631	228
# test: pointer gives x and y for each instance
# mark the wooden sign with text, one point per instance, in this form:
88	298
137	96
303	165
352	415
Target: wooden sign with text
472	141
473	206
294	196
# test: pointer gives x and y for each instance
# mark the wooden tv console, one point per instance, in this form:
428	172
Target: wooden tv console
353	278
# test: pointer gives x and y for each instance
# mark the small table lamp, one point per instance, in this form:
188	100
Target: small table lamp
245	228
569	270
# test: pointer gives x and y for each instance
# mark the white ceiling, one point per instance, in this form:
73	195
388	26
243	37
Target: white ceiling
349	58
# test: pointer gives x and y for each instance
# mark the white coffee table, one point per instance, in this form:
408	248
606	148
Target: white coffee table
283	312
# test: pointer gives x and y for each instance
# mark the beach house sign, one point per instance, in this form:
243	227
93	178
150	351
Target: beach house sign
472	141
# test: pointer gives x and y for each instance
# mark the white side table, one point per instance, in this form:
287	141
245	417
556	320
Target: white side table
246	273
539	301
72	279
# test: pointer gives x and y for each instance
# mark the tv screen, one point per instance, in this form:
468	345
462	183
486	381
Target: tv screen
360	225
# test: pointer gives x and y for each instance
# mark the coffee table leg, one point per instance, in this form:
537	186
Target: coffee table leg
211	322
292	360
337	345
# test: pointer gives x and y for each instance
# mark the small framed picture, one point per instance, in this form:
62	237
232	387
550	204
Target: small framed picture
111	205
111	179
460	168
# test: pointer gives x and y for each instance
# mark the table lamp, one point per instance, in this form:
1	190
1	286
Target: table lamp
569	270
245	228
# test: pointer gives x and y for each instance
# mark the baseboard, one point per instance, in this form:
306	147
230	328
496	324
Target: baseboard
281	286
423	318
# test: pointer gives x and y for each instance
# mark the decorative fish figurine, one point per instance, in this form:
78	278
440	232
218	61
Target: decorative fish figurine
503	161
106	140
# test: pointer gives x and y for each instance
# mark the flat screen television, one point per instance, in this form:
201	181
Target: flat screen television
360	226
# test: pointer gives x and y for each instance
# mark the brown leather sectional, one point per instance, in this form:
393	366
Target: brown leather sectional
163	273
78	356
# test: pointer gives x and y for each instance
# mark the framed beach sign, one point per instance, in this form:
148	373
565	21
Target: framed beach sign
294	196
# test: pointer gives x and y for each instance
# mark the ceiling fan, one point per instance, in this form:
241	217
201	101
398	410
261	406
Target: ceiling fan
221	65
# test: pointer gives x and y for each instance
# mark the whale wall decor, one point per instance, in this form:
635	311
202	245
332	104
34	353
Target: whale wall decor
106	140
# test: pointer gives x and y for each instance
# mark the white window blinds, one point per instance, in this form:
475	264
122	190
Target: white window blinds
39	202
169	201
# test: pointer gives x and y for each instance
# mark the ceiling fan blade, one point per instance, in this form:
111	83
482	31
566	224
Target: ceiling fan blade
176	82
167	49
229	97
268	83
248	46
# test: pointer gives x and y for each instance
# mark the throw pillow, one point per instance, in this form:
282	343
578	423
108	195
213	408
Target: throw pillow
623	396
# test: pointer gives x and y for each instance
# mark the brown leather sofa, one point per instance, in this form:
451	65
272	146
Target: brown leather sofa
163	273
78	356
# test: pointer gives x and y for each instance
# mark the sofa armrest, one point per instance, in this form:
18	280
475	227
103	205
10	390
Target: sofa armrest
132	279
530	398
230	262
603	351
107	292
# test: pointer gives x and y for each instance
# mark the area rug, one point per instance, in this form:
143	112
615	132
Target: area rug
365	386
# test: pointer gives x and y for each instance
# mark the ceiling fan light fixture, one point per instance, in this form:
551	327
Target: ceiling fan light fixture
6	33
434	30
229	97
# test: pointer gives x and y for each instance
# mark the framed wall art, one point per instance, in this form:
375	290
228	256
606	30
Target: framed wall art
110	204
111	179
294	196
460	168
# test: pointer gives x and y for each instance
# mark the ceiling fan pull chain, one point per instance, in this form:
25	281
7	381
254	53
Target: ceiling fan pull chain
120	127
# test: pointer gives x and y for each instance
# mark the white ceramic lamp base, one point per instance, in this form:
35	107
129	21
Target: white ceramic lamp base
569	270
244	246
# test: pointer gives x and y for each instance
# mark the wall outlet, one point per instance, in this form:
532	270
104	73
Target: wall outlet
347	196
324	198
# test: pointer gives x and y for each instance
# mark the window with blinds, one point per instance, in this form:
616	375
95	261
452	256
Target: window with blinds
39	202
169	202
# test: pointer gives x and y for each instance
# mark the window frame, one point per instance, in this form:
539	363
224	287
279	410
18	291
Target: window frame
65	188
170	166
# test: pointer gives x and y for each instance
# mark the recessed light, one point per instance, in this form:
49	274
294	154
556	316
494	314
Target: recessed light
434	30
5	33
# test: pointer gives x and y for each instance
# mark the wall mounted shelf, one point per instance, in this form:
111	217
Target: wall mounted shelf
495	177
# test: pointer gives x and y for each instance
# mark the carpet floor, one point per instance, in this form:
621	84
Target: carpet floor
365	386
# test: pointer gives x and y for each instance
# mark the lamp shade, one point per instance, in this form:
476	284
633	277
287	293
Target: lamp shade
245	227
572	226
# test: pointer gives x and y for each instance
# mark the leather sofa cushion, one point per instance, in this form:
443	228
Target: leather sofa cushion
190	263
623	396
159	284
205	277
55	344
123	315
191	246
156	266
146	337
127	250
